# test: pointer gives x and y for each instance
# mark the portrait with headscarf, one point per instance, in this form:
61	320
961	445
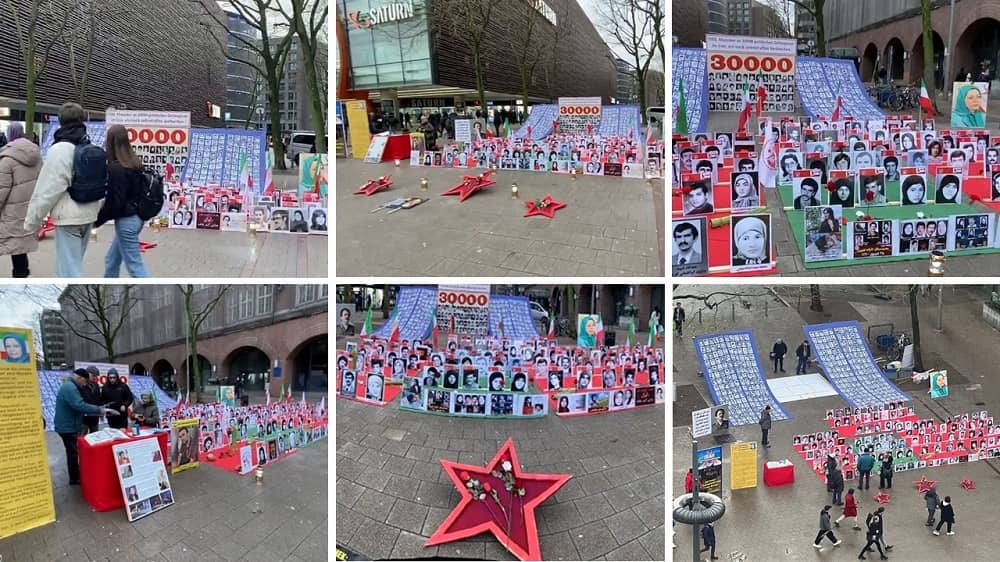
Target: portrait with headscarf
751	247
969	111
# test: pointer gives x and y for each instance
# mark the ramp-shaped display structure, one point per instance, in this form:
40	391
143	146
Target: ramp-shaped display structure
50	381
690	66
735	376
414	310
618	120
95	132
227	157
845	357
820	80
515	313
540	120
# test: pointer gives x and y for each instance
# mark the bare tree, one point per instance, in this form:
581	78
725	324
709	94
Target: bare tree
815	299
467	21
912	293
80	41
36	30
526	40
928	41
195	314
97	313
270	53
307	19
553	59
635	26
815	9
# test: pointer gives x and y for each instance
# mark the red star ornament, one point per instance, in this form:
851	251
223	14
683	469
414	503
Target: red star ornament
473	516
371	187
968	484
470	185
548	207
923	485
881	498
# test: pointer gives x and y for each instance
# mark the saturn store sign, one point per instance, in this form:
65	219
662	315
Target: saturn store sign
394	11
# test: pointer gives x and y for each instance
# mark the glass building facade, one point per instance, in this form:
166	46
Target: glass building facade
390	50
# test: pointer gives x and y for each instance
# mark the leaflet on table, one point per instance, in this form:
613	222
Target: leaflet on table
105	435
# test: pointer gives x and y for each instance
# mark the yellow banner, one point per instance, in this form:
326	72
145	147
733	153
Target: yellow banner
183	445
25	481
743	472
357	121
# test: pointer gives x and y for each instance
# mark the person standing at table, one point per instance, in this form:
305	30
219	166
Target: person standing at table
91	394
70	409
117	395
145	411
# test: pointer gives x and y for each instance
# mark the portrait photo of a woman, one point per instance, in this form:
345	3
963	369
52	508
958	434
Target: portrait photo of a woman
15	349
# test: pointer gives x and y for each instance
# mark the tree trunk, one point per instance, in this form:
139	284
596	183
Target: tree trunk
29	102
193	360
385	302
918	361
928	38
820	28
816	299
279	146
640	82
477	61
315	98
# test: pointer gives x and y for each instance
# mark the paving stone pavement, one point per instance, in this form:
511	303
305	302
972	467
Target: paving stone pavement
218	517
609	227
392	493
771	523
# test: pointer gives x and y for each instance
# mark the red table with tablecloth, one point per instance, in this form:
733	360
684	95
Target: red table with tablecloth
397	146
778	474
99	474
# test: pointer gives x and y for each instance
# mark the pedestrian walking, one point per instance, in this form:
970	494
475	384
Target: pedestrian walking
126	182
830	466
885	472
881	536
802	353
947	516
850	510
689	482
765	424
836	485
931	500
866	462
71	165
679	317
825	530
874	536
708	537
20	163
778	355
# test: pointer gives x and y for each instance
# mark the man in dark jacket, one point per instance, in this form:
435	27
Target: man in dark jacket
866	462
778	355
91	394
117	396
931	499
679	317
69	412
874	536
802	353
708	536
885	472
765	424
836	485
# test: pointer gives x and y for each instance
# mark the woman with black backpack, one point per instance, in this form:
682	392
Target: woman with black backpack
125	188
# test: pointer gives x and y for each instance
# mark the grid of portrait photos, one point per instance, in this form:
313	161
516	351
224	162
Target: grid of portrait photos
818	81
845	357
751	243
973	231
213	207
689	68
917	236
470	391
142	476
690	246
871	238
735	376
824	240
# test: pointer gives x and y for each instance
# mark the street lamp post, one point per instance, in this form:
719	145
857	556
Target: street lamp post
950	49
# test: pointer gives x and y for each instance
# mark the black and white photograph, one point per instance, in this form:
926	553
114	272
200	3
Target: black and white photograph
374	387
690	247
745	191
913	189
843	192
698	198
805	193
872	192
347	383
787	165
917	236
751	243
948	189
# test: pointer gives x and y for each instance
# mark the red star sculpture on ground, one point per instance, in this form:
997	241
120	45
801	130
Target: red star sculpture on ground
968	484
923	485
470	185
548	207
881	497
371	187
473	516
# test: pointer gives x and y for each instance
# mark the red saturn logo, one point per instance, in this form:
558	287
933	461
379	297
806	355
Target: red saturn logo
355	19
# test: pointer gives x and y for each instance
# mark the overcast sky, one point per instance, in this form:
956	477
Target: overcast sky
22	306
590	7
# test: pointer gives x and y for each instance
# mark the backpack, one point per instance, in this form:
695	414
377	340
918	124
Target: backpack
90	173
150	196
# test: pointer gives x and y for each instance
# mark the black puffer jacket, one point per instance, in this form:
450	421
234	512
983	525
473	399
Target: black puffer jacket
124	189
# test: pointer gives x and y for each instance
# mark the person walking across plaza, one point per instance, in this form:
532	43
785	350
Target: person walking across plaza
885	472
765	425
20	162
69	412
125	185
836	485
850	510
931	500
679	317
866	462
689	482
70	166
117	395
802	353
947	516
708	537
881	535
874	536
825	529
778	355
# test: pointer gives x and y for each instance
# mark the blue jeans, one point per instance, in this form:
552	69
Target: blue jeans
125	247
801	367
71	245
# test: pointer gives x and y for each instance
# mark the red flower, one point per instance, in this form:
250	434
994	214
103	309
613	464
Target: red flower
831	186
843	221
975	198
868	217
869	196
487	488
464	475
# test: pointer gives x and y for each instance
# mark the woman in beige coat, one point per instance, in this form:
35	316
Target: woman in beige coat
20	162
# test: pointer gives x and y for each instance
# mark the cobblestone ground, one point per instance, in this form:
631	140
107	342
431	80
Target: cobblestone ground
218	517
392	493
610	226
780	523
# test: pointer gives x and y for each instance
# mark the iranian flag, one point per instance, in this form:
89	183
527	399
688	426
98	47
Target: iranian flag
366	328
654	327
767	162
745	113
681	121
761	93
835	116
434	329
552	328
600	332
630	338
925	99
394	336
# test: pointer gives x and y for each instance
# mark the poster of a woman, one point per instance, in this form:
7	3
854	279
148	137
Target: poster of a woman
589	326
969	111
312	173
